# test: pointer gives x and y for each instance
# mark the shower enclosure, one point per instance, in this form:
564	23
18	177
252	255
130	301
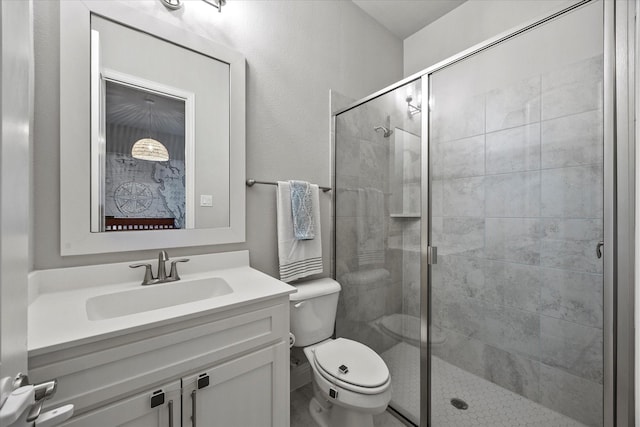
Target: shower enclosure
496	158
378	185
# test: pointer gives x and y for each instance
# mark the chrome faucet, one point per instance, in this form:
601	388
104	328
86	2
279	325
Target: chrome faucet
163	257
162	277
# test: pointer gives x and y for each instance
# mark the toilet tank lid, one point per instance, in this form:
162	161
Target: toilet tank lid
314	288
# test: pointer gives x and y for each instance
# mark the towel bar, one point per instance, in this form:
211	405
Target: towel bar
251	182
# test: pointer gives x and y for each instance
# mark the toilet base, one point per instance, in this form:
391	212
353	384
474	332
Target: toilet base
318	413
337	416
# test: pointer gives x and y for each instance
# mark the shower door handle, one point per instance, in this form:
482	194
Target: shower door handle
432	255
599	249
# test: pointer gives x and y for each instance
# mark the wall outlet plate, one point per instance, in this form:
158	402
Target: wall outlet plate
206	200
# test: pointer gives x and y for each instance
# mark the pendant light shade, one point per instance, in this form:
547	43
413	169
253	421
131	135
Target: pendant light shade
149	149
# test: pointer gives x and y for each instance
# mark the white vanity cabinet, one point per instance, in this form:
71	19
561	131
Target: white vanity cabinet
242	392
137	410
229	368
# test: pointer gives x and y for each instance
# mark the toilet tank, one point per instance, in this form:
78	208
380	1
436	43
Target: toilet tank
312	311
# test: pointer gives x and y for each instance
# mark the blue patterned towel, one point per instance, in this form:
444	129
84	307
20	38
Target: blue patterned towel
302	210
297	258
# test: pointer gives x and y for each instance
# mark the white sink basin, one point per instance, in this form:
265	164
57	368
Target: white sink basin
153	297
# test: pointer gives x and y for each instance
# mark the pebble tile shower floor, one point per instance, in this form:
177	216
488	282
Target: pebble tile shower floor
489	404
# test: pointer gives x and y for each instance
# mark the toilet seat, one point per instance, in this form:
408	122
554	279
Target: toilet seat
363	370
348	400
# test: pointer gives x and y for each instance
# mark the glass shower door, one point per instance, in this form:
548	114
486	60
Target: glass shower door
516	176
378	186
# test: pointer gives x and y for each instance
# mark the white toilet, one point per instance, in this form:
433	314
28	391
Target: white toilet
351	382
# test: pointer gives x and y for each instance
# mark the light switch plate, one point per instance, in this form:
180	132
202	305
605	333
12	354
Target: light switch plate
206	200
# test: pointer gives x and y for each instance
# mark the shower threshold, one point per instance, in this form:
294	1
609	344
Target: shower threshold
489	405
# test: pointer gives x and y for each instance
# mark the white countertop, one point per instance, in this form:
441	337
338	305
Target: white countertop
58	315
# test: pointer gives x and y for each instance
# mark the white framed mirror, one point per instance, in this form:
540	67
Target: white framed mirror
152	133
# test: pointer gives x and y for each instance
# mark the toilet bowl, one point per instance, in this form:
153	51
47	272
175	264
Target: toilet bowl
351	382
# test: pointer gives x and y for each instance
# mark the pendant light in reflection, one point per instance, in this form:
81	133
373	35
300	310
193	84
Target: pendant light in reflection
148	148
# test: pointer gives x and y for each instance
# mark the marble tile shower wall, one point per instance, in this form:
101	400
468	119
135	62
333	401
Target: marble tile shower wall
410	225
517	202
367	266
407	180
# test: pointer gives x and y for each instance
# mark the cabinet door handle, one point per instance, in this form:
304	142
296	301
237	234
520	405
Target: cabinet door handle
170	405
193	408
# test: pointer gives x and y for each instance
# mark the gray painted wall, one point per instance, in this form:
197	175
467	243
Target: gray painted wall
481	20
296	52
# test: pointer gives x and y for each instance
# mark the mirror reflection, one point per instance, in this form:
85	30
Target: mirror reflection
145	159
160	133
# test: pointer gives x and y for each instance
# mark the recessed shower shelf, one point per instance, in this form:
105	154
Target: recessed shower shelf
406	215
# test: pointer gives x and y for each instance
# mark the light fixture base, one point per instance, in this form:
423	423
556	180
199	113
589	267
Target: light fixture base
216	3
172	4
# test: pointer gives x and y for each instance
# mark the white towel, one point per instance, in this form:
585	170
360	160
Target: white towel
298	258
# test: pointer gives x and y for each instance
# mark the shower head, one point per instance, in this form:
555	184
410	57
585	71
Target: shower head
387	132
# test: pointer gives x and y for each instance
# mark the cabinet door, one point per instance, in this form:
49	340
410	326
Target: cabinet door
136	411
250	391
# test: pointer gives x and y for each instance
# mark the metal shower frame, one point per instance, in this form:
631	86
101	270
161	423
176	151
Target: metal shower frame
620	35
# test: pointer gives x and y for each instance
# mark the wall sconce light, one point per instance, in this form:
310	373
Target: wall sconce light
216	3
